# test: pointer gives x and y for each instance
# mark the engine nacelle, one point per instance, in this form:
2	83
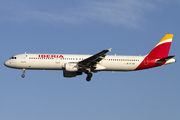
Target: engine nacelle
71	67
71	74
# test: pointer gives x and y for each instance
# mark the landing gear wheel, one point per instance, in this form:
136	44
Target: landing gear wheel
88	79
89	75
22	75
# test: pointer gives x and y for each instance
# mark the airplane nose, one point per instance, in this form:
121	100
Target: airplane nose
6	64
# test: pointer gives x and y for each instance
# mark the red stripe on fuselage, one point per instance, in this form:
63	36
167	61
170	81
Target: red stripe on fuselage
149	62
159	52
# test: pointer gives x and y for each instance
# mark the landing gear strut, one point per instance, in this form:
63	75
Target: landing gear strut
23	75
89	75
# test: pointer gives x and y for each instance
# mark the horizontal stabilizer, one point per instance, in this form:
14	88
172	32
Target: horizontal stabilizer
164	59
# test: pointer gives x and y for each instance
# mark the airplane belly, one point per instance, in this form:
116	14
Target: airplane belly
120	66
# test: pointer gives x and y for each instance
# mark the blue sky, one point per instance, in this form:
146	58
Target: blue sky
130	27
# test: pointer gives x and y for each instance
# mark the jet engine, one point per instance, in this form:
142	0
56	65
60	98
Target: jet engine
71	74
71	67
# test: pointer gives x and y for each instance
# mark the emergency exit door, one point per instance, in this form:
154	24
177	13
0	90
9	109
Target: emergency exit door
57	60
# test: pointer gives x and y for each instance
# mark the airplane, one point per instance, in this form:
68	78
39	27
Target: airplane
74	64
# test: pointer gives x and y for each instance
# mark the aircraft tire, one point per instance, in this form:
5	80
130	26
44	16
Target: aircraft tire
90	75
22	75
88	79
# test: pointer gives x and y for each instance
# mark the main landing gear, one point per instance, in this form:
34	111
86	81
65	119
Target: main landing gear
89	75
23	75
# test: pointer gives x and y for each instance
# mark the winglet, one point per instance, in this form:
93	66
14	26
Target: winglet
110	49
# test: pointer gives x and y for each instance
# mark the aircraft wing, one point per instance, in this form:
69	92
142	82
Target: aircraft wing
93	60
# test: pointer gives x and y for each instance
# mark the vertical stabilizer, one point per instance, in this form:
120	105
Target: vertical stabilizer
161	50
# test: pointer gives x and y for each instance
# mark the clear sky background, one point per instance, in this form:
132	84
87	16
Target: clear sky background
130	27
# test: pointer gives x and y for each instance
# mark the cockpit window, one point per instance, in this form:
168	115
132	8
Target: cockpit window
13	58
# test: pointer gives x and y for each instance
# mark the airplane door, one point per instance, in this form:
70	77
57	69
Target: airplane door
146	61
57	60
23	58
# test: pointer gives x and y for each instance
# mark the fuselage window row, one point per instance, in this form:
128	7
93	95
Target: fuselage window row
121	59
81	59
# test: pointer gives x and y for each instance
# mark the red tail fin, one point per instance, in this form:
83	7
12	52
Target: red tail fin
161	50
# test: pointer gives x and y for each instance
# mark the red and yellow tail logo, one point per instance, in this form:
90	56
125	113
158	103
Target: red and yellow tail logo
161	50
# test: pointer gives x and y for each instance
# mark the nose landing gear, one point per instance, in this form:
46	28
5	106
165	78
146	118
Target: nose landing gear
23	75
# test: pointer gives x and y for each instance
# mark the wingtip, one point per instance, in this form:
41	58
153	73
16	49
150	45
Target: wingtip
110	49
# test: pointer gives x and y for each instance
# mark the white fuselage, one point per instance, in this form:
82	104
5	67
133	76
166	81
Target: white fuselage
57	62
